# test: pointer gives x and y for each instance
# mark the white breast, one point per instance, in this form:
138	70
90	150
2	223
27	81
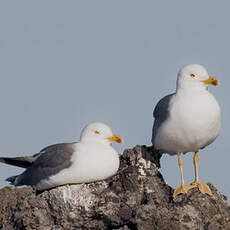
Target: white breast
194	122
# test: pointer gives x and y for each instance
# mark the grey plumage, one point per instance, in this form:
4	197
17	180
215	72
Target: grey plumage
48	162
161	114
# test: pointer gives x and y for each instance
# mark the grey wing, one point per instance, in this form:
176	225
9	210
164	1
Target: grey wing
51	160
54	146
26	161
160	113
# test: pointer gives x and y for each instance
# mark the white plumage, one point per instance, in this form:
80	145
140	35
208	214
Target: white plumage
193	123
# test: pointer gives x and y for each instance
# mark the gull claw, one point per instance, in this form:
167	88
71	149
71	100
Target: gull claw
204	188
182	189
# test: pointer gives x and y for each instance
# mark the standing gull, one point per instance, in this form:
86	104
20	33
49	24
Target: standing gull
187	120
91	159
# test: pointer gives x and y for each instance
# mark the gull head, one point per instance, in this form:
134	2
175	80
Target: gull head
194	76
99	132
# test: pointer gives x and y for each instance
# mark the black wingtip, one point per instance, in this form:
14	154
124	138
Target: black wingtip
2	160
11	179
23	162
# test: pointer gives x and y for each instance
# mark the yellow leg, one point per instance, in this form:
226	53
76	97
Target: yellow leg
183	188
204	188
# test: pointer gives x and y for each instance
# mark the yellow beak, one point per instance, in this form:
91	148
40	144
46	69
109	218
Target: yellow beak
211	81
115	138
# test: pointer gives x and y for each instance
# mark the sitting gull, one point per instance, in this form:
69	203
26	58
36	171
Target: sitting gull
91	159
187	120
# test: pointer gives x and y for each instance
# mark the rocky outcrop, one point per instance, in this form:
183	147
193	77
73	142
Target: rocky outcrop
136	198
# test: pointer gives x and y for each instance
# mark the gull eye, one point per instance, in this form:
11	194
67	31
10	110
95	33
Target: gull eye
97	132
192	75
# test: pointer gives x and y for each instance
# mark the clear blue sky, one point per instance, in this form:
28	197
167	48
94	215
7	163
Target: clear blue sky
65	64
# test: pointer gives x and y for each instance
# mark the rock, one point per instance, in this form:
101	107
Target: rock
137	197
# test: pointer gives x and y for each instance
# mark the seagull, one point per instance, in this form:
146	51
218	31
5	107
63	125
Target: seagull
91	159
187	121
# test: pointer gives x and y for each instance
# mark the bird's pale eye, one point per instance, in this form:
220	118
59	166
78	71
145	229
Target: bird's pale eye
192	75
97	132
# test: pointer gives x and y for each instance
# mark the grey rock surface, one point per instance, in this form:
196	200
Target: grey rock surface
137	197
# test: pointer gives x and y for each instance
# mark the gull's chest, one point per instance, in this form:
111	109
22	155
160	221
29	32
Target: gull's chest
193	122
94	154
195	111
